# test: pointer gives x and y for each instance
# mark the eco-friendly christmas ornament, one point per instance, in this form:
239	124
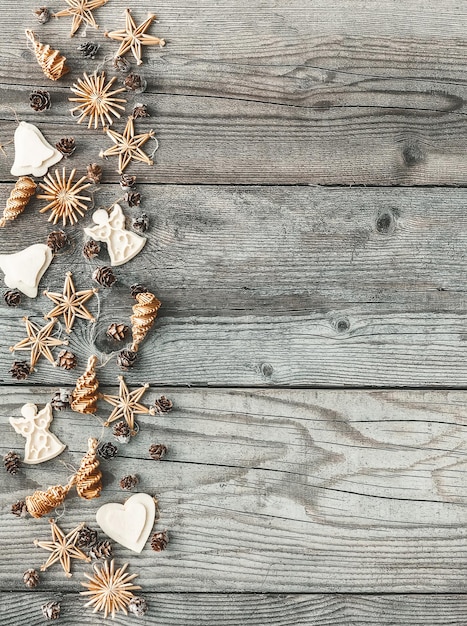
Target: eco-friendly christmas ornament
144	315
19	197
81	11
127	405
133	37
84	396
38	342
41	444
122	244
110	589
33	154
128	145
70	303
65	201
95	100
42	502
89	476
50	60
128	524
23	270
62	548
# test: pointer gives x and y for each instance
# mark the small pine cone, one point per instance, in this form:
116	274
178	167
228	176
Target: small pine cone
51	610
20	370
11	462
126	359
94	173
128	483
61	400
118	332
140	110
104	276
141	223
19	509
43	14
107	450
163	405
66	146
133	198
127	181
88	49
137	288
39	100
91	249
138	606
122	65
159	541
31	578
87	538
12	297
121	432
135	82
102	550
66	360
56	240
157	451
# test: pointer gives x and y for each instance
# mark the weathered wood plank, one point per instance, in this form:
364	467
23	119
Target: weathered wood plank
272	491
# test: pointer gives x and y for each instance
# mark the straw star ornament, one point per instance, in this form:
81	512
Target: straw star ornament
133	37
70	303
128	146
38	342
65	201
95	100
62	548
110	589
127	405
81	11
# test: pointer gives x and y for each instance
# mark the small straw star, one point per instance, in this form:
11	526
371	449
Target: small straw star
133	37
95	100
127	405
81	10
38	342
70	303
64	197
63	548
128	145
110	589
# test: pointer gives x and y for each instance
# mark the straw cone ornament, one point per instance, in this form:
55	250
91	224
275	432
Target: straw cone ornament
144	315
50	60
43	502
20	195
89	476
84	396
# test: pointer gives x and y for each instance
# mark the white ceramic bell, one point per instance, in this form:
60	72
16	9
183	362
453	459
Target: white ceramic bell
23	270
33	154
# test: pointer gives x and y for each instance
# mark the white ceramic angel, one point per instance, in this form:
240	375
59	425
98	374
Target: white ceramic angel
23	270
122	244
41	444
33	153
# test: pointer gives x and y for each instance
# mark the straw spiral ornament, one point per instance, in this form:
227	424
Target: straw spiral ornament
43	502
84	395
89	477
20	195
144	315
50	60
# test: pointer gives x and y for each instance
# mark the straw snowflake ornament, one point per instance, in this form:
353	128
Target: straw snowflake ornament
65	201
95	100
70	303
38	341
110	589
134	37
62	548
81	11
128	145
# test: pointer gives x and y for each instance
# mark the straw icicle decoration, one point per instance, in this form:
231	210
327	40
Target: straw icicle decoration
20	195
84	396
89	477
144	315
50	60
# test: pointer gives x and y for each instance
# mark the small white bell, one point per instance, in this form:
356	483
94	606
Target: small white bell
33	154
23	270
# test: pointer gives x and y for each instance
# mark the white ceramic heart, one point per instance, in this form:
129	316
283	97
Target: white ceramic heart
128	524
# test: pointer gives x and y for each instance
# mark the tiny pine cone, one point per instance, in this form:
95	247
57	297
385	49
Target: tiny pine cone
91	249
43	14
163	405
118	332
94	173
89	49
126	359
12	297
11	462
20	370
121	431
159	541
138	606
66	146
19	509
133	198
122	65
140	110
157	451
66	360
138	288
51	610
127	181
31	578
102	550
127	483
141	223
104	276
39	100
56	240
61	400
87	538
107	450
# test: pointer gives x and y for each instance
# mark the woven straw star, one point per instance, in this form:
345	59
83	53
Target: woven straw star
110	589
64	197
133	37
38	342
128	146
81	12
95	101
63	548
127	405
70	303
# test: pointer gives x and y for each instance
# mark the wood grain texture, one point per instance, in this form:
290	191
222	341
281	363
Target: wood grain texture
270	491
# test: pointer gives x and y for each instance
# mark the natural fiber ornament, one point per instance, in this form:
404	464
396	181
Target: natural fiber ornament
95	100
20	195
109	589
70	303
128	145
84	396
63	548
41	444
65	201
127	405
50	60
43	502
144	315
134	37
80	10
38	342
89	477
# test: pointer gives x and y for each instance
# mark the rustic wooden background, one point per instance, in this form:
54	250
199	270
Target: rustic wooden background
308	242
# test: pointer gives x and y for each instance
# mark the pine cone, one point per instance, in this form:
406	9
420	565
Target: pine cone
104	276
61	400
91	249
11	462
122	65
31	578
94	173
140	110
133	198
56	240
121	432
88	49
159	541
19	509
126	359
66	360
12	297
87	538
102	550
137	288
141	223
20	370
66	146
107	450
138	606
127	182
127	483
157	451
43	14
51	610
39	100
135	82
163	405
117	332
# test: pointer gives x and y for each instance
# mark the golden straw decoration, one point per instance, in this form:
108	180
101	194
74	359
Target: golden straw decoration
144	314
84	396
89	476
50	60
20	195
43	502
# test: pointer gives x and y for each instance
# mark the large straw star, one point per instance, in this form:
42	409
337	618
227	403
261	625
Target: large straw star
70	303
81	12
127	405
63	548
38	342
128	145
133	37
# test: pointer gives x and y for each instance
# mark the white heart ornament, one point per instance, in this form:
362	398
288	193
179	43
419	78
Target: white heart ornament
128	524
